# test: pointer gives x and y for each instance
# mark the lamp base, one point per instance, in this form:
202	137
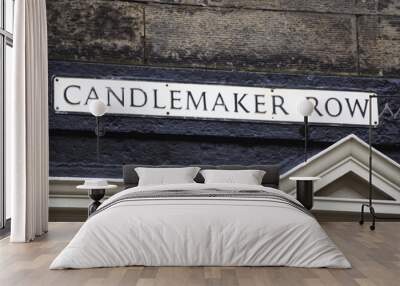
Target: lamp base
372	212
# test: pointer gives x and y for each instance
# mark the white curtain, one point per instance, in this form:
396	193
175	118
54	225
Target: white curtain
27	124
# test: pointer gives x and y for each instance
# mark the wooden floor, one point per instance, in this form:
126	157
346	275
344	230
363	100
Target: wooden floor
375	257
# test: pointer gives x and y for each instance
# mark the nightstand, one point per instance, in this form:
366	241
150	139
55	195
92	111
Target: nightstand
96	190
305	190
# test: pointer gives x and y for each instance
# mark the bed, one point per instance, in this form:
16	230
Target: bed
201	224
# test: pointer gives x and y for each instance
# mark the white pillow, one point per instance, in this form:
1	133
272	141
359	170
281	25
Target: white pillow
248	177
165	176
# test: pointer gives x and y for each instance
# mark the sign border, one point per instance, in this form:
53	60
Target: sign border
123	78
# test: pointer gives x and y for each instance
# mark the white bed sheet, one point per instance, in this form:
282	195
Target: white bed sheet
200	232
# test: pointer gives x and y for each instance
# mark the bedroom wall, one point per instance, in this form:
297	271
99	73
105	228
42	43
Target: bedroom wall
345	45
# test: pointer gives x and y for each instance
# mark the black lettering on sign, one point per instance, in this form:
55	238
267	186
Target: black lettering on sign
329	106
259	103
239	103
139	92
315	104
66	97
276	105
92	91
202	99
357	105
175	99
155	100
111	92
219	101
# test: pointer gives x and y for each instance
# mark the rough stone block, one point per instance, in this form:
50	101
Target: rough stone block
250	39
101	31
379	40
382	7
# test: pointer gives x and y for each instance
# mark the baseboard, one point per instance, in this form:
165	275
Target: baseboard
325	216
80	215
68	214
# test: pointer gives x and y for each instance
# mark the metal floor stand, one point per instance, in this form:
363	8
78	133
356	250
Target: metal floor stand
372	212
369	205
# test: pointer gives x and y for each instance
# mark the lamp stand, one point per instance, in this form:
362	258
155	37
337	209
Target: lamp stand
305	138
99	131
369	205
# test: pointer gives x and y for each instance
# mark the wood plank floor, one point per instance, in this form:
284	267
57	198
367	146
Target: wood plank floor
375	257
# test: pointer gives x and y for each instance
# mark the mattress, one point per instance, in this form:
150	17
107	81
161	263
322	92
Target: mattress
201	225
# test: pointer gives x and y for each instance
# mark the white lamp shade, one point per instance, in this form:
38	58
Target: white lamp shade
97	107
306	107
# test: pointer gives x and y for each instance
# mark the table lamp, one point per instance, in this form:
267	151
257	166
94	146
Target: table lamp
97	108
306	108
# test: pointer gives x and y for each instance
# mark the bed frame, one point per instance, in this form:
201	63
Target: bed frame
270	179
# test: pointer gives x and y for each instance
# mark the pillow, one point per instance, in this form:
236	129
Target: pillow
165	176
248	177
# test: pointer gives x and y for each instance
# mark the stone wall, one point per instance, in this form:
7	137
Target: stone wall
339	44
360	37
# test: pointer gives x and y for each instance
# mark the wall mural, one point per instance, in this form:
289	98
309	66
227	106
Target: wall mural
219	44
156	140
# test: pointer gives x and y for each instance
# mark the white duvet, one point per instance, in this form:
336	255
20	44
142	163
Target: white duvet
200	231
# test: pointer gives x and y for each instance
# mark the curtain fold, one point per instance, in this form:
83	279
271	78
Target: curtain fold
27	122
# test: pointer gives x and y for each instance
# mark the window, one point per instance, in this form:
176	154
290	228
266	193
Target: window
6	63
